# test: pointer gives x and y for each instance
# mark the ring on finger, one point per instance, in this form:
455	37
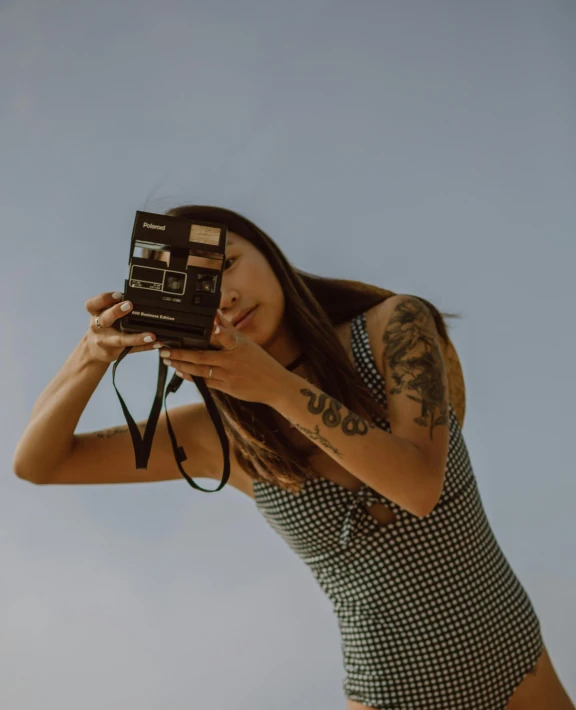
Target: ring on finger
97	322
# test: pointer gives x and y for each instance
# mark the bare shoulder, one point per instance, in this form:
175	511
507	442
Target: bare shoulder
376	320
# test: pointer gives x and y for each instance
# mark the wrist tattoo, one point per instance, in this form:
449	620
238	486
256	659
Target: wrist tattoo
331	417
317	436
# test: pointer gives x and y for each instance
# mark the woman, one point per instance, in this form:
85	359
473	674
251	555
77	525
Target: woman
344	405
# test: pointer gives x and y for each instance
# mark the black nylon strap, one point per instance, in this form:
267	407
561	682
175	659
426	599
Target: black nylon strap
143	445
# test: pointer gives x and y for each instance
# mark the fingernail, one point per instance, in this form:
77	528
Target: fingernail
117	295
158	345
125	306
148	339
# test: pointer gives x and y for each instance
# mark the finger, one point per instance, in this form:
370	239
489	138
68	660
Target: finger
223	320
225	336
211	382
186	370
146	341
111	338
118	338
96	304
214	336
139	348
115	338
111	315
192	356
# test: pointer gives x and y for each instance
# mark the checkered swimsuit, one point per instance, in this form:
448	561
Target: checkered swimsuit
430	613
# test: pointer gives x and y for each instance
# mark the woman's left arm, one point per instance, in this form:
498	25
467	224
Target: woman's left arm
390	465
408	465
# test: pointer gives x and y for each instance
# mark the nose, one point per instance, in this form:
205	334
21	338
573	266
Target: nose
227	301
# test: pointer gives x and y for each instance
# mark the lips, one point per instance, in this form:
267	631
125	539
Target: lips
244	319
241	315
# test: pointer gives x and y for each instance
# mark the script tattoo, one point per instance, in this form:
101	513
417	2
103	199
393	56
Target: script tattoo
317	436
113	431
331	417
420	375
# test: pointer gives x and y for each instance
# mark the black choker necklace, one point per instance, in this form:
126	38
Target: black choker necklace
299	360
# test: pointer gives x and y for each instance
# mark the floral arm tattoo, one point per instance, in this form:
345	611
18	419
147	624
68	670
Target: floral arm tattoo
415	362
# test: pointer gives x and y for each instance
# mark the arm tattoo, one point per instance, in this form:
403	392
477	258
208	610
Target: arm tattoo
317	436
331	417
113	431
422	376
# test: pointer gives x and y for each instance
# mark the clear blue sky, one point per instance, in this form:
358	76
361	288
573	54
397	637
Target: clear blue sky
425	147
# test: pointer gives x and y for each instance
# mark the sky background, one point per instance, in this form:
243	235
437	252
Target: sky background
428	148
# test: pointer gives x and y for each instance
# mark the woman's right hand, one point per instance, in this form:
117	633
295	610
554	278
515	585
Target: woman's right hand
106	344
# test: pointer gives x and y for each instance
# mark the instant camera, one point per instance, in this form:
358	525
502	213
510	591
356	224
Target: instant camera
174	295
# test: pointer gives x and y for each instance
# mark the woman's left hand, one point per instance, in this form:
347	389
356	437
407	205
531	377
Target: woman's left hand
246	371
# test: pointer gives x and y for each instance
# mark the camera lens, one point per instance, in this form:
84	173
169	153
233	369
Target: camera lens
174	283
206	283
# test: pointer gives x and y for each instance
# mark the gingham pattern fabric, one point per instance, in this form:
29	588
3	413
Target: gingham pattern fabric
430	613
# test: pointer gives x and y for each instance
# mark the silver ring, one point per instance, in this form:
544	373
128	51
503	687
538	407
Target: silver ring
210	373
97	322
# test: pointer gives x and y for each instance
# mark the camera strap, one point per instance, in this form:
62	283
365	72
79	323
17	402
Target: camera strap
143	445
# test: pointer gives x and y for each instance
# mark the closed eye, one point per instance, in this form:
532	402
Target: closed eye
229	259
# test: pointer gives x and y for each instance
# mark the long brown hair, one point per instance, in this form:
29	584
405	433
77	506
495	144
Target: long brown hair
314	305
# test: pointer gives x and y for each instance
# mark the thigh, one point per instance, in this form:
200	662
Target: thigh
355	705
540	688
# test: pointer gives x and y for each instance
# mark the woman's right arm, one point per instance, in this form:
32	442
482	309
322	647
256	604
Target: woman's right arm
48	438
50	452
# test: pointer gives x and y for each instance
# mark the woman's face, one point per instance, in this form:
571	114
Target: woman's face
248	282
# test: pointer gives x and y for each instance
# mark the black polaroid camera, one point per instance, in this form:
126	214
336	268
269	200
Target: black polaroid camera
176	297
